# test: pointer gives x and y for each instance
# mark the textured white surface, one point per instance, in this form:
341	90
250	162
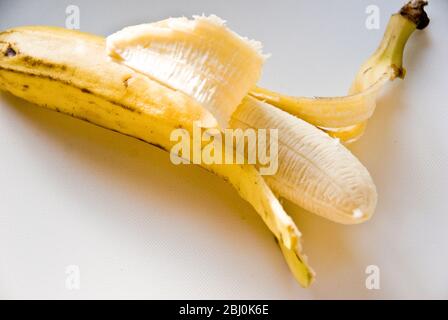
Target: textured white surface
139	227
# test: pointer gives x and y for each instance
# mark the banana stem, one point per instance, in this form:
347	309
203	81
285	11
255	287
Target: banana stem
389	54
414	11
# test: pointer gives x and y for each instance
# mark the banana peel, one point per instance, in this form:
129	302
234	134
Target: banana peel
346	117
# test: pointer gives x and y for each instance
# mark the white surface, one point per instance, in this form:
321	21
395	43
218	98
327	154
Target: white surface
139	227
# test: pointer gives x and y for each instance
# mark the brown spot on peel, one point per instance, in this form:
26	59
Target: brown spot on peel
35	63
126	81
10	52
129	108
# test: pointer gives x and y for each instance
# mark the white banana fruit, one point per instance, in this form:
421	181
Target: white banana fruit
314	171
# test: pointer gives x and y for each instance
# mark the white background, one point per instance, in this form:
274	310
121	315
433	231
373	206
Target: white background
139	227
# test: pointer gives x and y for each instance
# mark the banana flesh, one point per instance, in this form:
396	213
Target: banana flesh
198	57
315	171
69	72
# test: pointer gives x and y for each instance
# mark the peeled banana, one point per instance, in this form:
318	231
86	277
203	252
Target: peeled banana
313	171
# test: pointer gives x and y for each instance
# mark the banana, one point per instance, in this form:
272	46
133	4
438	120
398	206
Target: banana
345	117
69	72
314	172
200	57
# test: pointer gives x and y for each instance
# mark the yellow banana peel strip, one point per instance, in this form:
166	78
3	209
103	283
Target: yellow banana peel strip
345	117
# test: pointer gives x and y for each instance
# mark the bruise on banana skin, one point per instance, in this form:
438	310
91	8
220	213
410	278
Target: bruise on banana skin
38	63
367	70
10	52
126	81
8	49
4	33
84	90
34	63
400	72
